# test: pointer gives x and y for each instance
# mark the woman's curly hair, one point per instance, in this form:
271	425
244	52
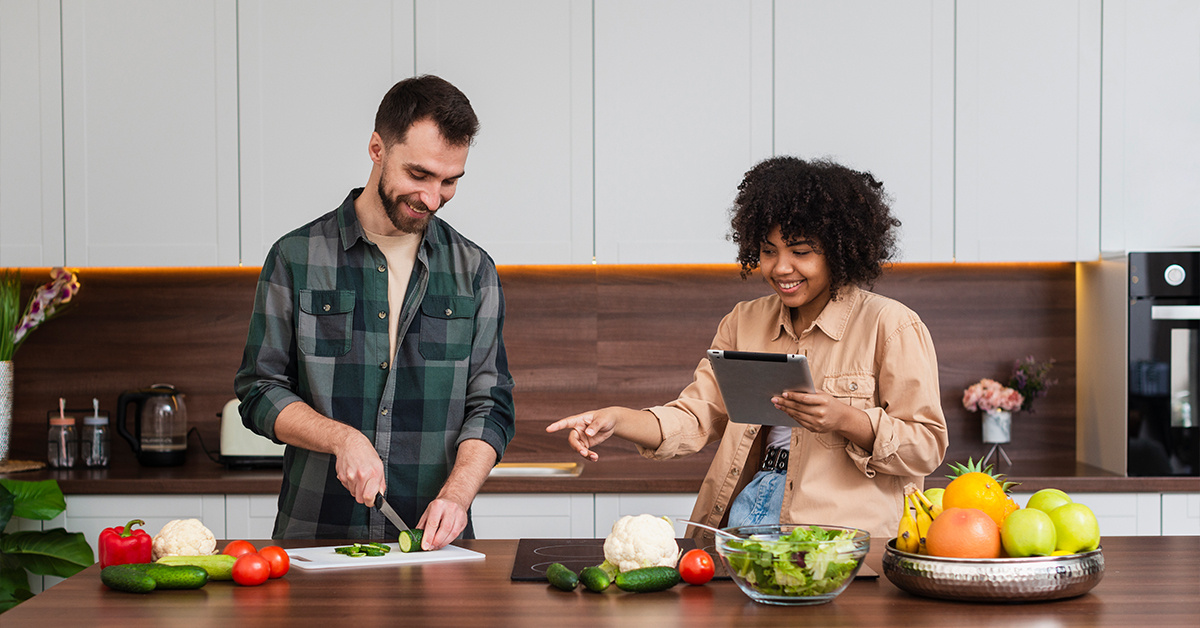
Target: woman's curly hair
843	212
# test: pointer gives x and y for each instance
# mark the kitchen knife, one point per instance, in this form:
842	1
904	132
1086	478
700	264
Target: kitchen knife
388	512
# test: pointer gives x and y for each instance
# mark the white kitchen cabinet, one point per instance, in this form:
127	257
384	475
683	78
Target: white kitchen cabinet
250	516
1027	130
526	66
310	78
149	118
533	515
870	84
682	110
1151	145
613	506
31	184
1181	514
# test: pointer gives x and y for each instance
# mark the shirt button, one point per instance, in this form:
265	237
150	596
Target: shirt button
718	508
382	314
449	311
384	412
381	268
326	308
734	471
383	365
752	431
853	385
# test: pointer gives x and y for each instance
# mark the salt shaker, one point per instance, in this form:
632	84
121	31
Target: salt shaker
63	442
93	444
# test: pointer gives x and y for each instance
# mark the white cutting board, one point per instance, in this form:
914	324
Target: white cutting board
325	558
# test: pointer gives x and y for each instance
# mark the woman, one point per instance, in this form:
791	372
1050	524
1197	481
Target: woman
818	233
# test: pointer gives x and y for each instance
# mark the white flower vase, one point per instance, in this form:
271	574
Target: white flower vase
997	426
6	405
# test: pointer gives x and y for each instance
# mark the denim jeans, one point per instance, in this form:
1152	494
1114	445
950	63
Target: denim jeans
760	502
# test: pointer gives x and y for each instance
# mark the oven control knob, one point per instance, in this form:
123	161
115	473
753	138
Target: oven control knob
1174	274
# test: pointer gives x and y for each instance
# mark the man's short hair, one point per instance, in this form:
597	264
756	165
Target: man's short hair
426	97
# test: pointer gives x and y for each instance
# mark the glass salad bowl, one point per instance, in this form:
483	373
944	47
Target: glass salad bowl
792	564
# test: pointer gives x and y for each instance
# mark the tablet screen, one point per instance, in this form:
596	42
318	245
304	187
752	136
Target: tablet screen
748	380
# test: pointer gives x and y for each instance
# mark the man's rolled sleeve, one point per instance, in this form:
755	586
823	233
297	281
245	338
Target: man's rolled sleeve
266	380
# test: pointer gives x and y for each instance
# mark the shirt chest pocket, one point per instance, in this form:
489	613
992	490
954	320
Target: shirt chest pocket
856	390
326	325
447	327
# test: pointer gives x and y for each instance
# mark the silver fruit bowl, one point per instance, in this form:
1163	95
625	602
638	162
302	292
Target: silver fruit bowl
994	579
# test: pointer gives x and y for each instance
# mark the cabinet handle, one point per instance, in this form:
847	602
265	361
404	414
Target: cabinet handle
1175	312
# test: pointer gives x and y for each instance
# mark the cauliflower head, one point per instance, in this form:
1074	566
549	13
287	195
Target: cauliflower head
184	537
641	541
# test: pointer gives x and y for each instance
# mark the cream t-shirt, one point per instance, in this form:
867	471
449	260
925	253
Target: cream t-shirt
401	253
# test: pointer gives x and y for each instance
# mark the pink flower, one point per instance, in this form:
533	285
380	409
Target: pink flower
989	394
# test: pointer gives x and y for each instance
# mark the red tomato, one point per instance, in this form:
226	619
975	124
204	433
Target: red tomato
696	567
279	559
251	569
237	548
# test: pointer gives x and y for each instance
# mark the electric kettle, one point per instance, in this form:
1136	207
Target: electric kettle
159	437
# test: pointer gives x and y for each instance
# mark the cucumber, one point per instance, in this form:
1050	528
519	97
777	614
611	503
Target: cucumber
594	579
410	540
127	578
561	577
218	566
648	579
173	576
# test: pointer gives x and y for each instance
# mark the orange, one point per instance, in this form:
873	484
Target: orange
978	490
963	533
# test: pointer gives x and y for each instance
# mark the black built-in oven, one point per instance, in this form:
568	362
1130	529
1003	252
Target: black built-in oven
1164	363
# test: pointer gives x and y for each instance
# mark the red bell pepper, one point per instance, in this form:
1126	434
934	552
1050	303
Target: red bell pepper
123	545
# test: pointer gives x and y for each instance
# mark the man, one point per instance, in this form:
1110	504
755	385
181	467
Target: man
375	349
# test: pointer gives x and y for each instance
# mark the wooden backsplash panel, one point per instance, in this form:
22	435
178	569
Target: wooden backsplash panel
578	338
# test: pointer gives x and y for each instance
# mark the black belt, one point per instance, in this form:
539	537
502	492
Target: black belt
775	459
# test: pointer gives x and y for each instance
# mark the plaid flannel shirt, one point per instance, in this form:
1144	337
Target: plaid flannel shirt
319	334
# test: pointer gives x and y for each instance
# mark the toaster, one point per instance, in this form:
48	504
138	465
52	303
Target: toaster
242	448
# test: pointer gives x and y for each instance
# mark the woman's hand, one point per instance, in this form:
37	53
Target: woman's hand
821	413
587	430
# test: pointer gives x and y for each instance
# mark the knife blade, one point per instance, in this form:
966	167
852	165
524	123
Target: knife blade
389	512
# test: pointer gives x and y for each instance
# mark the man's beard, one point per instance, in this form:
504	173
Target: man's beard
400	219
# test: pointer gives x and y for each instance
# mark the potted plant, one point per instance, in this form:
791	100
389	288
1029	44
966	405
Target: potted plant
53	552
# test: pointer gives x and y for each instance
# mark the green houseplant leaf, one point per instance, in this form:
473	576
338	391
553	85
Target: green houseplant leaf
53	552
36	500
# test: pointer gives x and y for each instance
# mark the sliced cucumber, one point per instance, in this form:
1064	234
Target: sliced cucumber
410	540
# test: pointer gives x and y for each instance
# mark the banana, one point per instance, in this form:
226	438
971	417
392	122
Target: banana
934	509
923	521
908	538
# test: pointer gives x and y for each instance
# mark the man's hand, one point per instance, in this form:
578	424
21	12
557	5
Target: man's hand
446	516
359	468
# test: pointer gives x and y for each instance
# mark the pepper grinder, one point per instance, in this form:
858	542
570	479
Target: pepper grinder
63	443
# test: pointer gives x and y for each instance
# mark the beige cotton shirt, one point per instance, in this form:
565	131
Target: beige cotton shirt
866	350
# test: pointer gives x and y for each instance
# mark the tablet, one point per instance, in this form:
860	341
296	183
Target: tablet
748	380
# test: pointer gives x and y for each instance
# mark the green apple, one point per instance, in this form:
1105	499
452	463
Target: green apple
1028	532
1076	528
1047	500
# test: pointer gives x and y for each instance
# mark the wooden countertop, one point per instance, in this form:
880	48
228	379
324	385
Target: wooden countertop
1146	580
620	472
